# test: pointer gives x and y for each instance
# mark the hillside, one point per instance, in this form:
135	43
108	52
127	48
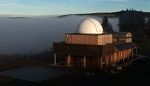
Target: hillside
109	14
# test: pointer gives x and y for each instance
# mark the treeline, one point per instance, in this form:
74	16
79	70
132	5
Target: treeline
131	20
109	14
135	22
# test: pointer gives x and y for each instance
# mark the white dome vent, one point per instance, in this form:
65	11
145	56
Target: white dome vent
90	26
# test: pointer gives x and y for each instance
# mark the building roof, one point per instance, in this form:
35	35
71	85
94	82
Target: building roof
124	46
87	34
122	34
90	26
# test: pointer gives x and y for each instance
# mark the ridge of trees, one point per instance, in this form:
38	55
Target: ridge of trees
131	20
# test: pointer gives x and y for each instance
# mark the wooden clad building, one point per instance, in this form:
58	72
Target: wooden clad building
124	37
89	53
94	51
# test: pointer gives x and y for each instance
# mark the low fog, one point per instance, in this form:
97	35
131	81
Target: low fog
36	34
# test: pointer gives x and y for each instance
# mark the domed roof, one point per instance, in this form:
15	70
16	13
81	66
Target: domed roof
90	26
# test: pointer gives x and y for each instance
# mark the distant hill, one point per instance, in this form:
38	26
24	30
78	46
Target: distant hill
109	14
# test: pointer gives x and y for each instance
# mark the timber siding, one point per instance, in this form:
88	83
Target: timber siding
91	39
97	56
94	51
83	50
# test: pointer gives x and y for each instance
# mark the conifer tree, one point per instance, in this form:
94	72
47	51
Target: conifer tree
106	25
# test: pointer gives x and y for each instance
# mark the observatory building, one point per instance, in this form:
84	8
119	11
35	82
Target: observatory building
91	48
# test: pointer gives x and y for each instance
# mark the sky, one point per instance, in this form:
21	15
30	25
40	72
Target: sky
61	7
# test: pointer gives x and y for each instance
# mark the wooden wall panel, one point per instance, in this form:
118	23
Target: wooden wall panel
78	50
89	39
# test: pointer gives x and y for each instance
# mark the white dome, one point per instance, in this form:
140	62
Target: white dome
90	26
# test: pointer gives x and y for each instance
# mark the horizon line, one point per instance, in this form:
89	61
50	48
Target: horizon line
23	15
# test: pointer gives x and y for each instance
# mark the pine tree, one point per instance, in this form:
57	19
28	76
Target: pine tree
106	25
